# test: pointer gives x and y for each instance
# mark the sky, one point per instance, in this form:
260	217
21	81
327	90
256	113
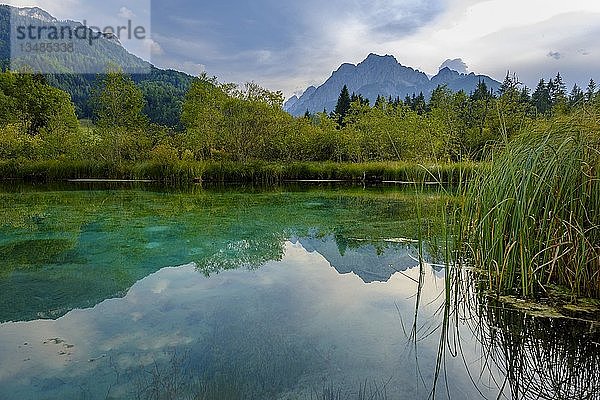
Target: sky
288	45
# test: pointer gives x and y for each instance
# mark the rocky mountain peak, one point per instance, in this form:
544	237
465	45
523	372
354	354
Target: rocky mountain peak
36	13
381	75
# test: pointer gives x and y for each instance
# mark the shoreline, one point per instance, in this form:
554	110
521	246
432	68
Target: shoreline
178	171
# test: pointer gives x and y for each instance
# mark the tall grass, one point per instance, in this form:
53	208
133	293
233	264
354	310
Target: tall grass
178	171
533	218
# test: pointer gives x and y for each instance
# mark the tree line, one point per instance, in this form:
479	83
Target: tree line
221	121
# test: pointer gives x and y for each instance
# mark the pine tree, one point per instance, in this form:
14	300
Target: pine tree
439	96
558	95
481	92
576	96
342	106
590	91
510	85
540	98
420	106
358	98
524	95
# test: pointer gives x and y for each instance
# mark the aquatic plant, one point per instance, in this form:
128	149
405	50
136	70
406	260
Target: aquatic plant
533	218
181	171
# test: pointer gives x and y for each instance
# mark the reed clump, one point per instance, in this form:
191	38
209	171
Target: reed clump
532	220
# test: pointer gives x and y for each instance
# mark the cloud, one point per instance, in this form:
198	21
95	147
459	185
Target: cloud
456	64
284	47
298	44
126	13
153	47
194	68
554	54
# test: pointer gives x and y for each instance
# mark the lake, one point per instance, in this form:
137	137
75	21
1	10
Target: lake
134	291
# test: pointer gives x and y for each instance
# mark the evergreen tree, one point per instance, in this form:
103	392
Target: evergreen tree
419	104
439	96
511	108
525	98
551	87
481	92
558	95
590	91
342	106
576	96
510	85
540	99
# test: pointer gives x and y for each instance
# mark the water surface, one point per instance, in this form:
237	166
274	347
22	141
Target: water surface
288	293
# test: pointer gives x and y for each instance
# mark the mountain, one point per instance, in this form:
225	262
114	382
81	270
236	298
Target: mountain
164	90
369	263
381	75
87	55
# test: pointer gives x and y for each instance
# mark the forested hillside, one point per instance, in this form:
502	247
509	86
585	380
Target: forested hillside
163	90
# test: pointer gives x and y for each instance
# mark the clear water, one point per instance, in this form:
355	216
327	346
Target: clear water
287	293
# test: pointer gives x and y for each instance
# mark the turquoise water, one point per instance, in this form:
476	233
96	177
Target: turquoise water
127	292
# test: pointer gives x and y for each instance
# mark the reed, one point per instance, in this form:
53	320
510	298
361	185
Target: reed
532	219
180	171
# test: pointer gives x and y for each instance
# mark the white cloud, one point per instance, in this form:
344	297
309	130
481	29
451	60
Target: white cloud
126	13
456	64
153	48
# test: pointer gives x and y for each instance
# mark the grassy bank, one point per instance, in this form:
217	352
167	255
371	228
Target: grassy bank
532	220
256	172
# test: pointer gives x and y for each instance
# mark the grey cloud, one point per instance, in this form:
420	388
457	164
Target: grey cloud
555	54
284	46
546	56
399	18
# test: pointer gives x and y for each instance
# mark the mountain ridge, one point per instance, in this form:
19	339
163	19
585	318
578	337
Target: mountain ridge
381	75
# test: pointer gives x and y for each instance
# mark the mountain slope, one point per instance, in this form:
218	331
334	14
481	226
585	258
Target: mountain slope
164	90
380	75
